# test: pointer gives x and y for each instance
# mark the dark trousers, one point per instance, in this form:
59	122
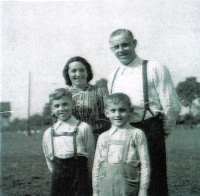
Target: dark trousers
153	129
70	177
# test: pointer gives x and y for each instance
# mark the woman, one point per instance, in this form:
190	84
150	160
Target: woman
89	99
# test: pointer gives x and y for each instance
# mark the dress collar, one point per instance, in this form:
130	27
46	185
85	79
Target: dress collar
74	90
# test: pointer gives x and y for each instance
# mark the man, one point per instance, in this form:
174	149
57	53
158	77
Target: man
156	106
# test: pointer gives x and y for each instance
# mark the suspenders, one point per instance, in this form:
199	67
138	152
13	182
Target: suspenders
145	88
72	134
114	80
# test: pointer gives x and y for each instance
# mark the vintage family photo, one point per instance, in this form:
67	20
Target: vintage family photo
100	98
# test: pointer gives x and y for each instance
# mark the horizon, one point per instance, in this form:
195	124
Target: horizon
41	36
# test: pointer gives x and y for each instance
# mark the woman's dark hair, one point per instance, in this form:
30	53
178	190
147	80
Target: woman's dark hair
81	60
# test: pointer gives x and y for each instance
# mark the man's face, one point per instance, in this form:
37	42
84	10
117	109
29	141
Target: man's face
123	46
62	108
118	114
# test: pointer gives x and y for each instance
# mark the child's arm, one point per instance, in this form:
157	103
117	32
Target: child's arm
49	162
141	144
95	170
45	150
89	145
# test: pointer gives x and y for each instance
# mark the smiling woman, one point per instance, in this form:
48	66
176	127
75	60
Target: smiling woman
89	99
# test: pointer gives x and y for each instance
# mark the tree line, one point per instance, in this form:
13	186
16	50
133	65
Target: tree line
187	90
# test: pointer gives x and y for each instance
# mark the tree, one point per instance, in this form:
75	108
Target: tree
188	91
18	124
36	121
47	118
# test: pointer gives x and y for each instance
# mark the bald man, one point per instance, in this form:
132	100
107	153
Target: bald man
154	100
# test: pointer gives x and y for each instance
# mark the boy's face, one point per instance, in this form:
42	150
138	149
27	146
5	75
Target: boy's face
118	114
62	108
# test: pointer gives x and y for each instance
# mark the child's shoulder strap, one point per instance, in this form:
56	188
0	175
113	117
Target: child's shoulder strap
126	143
52	147
74	138
66	134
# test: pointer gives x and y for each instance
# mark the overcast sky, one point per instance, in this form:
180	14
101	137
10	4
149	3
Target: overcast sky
41	36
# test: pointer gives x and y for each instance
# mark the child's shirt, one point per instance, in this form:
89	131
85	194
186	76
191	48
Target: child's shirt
113	153
63	145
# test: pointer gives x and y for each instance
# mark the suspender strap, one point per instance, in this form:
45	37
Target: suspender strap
125	147
114	80
74	139
145	89
52	132
73	134
145	85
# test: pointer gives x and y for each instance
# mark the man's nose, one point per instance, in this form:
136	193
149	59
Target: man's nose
121	48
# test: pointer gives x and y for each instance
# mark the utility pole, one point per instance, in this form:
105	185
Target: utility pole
29	101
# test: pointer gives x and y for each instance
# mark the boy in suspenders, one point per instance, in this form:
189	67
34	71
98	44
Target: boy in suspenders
68	148
153	98
121	164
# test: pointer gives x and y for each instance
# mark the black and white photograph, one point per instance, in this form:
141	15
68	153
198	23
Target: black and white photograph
100	98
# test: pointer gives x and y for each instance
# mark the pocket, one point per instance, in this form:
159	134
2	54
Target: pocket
132	170
132	177
102	170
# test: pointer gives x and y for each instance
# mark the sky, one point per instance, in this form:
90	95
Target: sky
39	37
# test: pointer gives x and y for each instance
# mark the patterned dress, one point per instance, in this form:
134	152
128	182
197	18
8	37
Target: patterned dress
89	107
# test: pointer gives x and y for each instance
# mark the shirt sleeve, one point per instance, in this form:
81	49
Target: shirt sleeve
45	150
89	146
141	144
96	167
168	97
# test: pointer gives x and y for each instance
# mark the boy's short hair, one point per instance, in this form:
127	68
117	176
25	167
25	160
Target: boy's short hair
117	98
121	31
58	93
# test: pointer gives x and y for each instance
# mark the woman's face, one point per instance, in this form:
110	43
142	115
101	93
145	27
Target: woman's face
78	74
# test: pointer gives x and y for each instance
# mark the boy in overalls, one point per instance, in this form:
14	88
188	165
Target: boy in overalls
68	148
121	164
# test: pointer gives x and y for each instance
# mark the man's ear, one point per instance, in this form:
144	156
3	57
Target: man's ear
135	42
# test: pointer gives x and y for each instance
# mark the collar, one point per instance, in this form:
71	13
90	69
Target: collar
135	63
74	90
70	121
113	129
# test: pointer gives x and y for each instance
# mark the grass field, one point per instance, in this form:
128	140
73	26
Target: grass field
24	171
